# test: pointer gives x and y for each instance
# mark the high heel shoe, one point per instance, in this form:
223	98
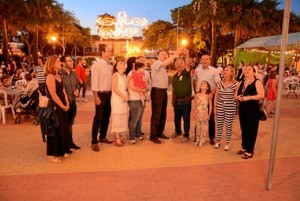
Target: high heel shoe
226	147
241	151
247	155
217	145
133	142
119	142
54	159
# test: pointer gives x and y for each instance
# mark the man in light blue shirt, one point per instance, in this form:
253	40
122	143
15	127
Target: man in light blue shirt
159	97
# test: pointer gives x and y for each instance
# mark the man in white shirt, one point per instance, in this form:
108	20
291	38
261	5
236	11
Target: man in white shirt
101	73
210	74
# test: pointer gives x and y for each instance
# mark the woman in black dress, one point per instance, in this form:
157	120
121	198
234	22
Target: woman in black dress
58	145
250	92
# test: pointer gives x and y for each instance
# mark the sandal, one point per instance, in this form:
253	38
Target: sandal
241	151
133	142
119	142
141	138
247	155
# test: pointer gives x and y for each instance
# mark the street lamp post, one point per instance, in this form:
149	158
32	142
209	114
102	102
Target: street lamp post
177	27
53	39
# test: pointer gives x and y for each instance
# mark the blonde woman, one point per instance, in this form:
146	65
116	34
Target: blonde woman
58	144
225	105
119	106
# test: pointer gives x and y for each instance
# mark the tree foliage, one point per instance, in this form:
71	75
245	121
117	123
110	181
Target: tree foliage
35	21
160	35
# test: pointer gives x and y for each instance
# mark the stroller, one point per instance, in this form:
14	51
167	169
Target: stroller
27	106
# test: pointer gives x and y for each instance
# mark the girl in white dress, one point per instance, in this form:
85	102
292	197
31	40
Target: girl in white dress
119	106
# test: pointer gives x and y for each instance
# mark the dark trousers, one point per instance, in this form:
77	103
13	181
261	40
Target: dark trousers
58	144
182	109
72	114
249	122
159	101
83	87
101	118
211	123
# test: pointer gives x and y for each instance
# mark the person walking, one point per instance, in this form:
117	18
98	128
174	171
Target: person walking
249	93
225	105
72	89
101	73
206	72
271	93
81	76
182	97
159	96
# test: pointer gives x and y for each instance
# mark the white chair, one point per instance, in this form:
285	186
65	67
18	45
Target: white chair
5	104
21	83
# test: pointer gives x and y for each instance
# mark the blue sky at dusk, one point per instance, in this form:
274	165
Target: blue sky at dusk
87	10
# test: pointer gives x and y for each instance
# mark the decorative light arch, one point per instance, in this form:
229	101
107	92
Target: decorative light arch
124	27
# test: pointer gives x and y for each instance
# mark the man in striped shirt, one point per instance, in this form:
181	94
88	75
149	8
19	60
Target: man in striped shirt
39	72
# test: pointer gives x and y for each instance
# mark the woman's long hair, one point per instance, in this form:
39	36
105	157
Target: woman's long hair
49	65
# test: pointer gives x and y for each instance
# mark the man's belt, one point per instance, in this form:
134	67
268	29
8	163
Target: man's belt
186	99
104	92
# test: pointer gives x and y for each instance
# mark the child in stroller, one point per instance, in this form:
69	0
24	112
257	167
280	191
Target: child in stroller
27	104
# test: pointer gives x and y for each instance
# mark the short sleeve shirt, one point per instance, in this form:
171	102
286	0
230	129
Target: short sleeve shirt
209	74
159	75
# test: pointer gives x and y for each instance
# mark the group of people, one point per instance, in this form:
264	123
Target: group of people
215	98
120	95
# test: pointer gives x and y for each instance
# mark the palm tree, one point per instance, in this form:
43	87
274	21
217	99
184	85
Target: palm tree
9	14
243	19
206	12
40	15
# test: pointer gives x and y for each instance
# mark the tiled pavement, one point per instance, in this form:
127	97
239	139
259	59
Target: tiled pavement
146	171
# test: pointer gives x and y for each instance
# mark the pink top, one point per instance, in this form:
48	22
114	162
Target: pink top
138	80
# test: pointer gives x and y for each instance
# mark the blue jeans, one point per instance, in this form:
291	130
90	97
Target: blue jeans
182	109
136	116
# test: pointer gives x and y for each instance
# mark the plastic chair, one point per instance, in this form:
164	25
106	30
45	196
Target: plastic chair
5	105
20	82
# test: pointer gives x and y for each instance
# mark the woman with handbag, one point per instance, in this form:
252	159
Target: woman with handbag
250	92
58	144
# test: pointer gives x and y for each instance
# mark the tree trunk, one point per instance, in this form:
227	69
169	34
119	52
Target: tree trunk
28	49
5	42
42	49
236	37
36	45
213	43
